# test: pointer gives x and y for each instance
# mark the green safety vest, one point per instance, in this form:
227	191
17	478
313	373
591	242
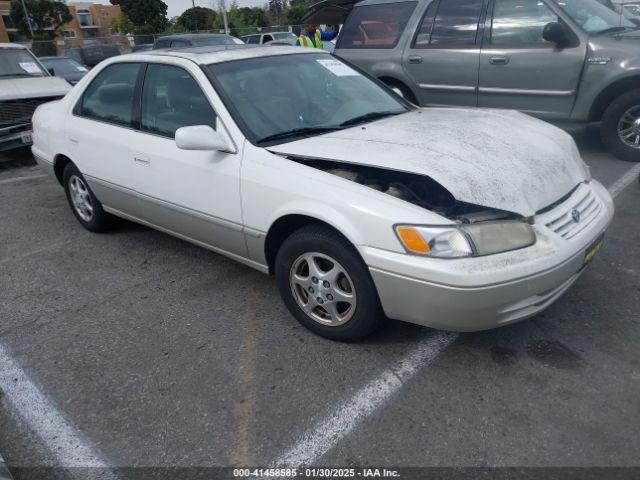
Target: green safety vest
305	41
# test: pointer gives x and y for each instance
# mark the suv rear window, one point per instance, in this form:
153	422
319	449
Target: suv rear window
376	26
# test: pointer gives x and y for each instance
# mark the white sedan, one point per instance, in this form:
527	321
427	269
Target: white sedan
299	165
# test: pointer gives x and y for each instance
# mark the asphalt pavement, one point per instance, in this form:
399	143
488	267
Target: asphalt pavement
136	349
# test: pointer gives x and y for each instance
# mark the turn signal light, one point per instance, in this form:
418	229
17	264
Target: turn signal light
413	240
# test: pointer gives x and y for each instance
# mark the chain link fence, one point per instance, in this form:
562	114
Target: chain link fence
125	43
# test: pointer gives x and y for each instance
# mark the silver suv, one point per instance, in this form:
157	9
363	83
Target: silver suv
569	62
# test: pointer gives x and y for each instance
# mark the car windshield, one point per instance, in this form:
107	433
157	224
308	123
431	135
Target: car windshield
596	16
279	98
19	63
63	66
217	40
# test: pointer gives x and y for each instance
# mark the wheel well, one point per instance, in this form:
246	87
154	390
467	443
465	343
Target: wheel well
59	164
282	229
607	95
393	81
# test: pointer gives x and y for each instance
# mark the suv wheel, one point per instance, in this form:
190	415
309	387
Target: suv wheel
403	91
84	204
326	285
620	126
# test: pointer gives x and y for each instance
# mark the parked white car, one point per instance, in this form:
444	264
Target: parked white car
362	205
24	84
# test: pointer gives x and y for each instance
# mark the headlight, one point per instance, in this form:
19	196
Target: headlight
466	240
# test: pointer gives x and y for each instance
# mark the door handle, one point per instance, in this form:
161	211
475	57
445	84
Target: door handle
499	60
142	161
414	59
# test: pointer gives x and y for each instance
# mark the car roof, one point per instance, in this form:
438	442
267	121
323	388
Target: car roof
225	53
12	46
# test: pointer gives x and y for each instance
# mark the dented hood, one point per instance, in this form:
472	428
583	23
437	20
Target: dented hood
494	158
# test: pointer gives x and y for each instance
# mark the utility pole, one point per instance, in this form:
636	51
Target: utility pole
27	18
195	19
222	5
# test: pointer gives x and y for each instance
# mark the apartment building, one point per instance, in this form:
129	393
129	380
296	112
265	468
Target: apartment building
90	24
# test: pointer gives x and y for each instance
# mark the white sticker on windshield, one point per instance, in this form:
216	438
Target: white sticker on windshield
338	68
80	68
30	67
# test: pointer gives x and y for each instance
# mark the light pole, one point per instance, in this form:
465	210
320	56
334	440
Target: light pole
27	18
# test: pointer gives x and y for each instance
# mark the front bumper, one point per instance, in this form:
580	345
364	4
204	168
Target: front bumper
15	137
487	292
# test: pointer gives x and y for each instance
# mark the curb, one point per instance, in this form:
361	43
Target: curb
4	473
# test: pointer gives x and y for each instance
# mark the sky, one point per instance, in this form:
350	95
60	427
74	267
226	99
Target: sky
176	7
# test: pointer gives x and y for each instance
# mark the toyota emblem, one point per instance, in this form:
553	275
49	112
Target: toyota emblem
575	214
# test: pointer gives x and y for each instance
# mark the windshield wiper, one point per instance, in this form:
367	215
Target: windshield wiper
368	117
297	132
16	75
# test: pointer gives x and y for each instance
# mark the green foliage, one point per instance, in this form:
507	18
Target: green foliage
246	17
148	16
122	24
275	11
198	18
296	10
45	14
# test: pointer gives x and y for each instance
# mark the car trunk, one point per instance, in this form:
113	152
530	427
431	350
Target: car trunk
329	12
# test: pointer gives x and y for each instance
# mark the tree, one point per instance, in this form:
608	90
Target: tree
47	16
247	17
148	16
122	24
275	11
296	11
198	18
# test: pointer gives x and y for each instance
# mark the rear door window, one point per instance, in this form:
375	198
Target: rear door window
109	98
450	23
172	99
520	22
376	26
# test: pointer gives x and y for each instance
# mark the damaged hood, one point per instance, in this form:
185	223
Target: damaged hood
495	158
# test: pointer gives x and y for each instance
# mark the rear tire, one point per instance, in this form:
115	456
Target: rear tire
326	285
620	126
84	204
403	91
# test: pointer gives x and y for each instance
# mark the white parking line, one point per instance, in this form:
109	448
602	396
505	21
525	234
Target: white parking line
624	181
21	179
343	418
68	446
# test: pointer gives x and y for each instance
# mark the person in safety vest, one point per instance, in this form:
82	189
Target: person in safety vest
312	36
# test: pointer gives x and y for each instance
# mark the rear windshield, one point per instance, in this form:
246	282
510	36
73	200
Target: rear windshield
376	26
207	41
19	63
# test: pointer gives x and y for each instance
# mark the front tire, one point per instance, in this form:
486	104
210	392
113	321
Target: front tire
326	286
620	126
84	204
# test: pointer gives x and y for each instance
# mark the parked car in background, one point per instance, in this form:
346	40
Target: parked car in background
142	48
24	85
260	38
570	62
64	67
195	40
362	205
91	55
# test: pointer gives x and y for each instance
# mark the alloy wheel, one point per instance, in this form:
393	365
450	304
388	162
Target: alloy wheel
629	127
81	198
323	289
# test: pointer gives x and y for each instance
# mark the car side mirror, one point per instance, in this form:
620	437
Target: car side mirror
201	137
554	32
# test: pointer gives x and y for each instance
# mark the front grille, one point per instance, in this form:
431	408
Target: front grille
13	112
577	215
